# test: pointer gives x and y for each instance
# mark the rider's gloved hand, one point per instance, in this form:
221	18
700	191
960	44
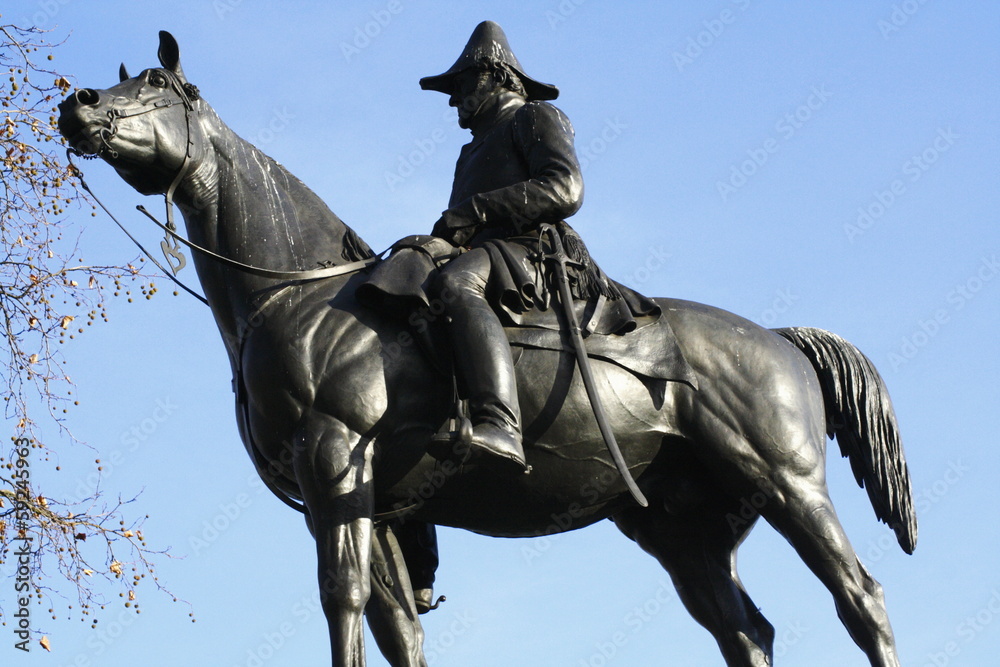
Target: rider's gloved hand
454	228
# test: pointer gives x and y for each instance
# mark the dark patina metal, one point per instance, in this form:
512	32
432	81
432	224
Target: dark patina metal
338	415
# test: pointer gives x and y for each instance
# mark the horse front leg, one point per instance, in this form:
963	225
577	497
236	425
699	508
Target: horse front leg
333	468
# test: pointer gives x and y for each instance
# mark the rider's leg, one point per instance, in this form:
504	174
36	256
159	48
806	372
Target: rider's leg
418	542
483	363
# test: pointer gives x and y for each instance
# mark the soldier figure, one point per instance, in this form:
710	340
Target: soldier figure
520	170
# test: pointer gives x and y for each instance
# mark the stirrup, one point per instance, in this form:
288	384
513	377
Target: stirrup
453	441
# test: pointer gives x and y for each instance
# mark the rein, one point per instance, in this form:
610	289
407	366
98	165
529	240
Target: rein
188	93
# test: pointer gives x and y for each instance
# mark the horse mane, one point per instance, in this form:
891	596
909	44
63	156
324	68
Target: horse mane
307	208
355	248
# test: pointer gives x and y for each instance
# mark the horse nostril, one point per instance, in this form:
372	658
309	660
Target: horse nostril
87	96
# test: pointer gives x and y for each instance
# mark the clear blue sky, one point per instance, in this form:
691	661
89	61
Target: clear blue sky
819	164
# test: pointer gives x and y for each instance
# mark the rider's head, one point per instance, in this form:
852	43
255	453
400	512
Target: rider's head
486	67
473	88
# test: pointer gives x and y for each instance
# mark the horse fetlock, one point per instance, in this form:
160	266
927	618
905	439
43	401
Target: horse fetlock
753	655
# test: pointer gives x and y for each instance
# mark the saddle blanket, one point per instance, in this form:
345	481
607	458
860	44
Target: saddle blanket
650	351
646	347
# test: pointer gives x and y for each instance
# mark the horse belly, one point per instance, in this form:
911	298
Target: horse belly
573	481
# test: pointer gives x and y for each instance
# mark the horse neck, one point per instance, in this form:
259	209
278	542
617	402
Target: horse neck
241	204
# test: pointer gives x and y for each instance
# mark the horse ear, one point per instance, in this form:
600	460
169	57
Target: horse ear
170	54
123	73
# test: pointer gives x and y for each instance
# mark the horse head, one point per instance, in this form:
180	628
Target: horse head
143	127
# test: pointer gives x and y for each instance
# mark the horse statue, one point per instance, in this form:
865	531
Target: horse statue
334	422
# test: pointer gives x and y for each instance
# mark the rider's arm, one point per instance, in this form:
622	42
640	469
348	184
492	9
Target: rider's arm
554	190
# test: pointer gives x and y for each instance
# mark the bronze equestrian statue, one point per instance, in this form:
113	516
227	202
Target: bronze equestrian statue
708	408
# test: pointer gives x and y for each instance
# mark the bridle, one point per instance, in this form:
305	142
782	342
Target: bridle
187	94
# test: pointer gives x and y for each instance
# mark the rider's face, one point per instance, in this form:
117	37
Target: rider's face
472	88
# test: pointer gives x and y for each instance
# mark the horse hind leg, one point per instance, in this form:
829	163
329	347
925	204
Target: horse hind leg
391	610
790	455
697	546
803	513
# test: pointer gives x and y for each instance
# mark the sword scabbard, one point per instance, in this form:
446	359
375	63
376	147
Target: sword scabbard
558	257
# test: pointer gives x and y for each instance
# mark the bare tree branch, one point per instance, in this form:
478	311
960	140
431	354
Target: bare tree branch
79	549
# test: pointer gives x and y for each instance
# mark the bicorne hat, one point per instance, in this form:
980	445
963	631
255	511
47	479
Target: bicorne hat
489	44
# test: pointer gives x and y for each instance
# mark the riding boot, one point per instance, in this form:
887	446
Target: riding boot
485	372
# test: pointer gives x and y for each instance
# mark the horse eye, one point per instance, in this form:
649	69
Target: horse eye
158	80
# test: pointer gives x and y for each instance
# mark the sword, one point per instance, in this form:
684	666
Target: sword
558	257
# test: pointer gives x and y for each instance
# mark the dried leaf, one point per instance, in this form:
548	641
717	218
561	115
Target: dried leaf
116	567
81	536
89	572
33	359
44	642
128	533
65	321
131	595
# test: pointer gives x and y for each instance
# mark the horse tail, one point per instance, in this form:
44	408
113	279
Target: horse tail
859	413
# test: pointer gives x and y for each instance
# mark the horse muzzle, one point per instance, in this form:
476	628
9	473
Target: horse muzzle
85	122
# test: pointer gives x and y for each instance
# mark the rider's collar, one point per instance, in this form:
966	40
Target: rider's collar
498	109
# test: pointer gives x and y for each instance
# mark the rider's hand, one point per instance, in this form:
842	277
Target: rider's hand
453	229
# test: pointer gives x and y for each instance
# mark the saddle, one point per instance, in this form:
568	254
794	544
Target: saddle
401	286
